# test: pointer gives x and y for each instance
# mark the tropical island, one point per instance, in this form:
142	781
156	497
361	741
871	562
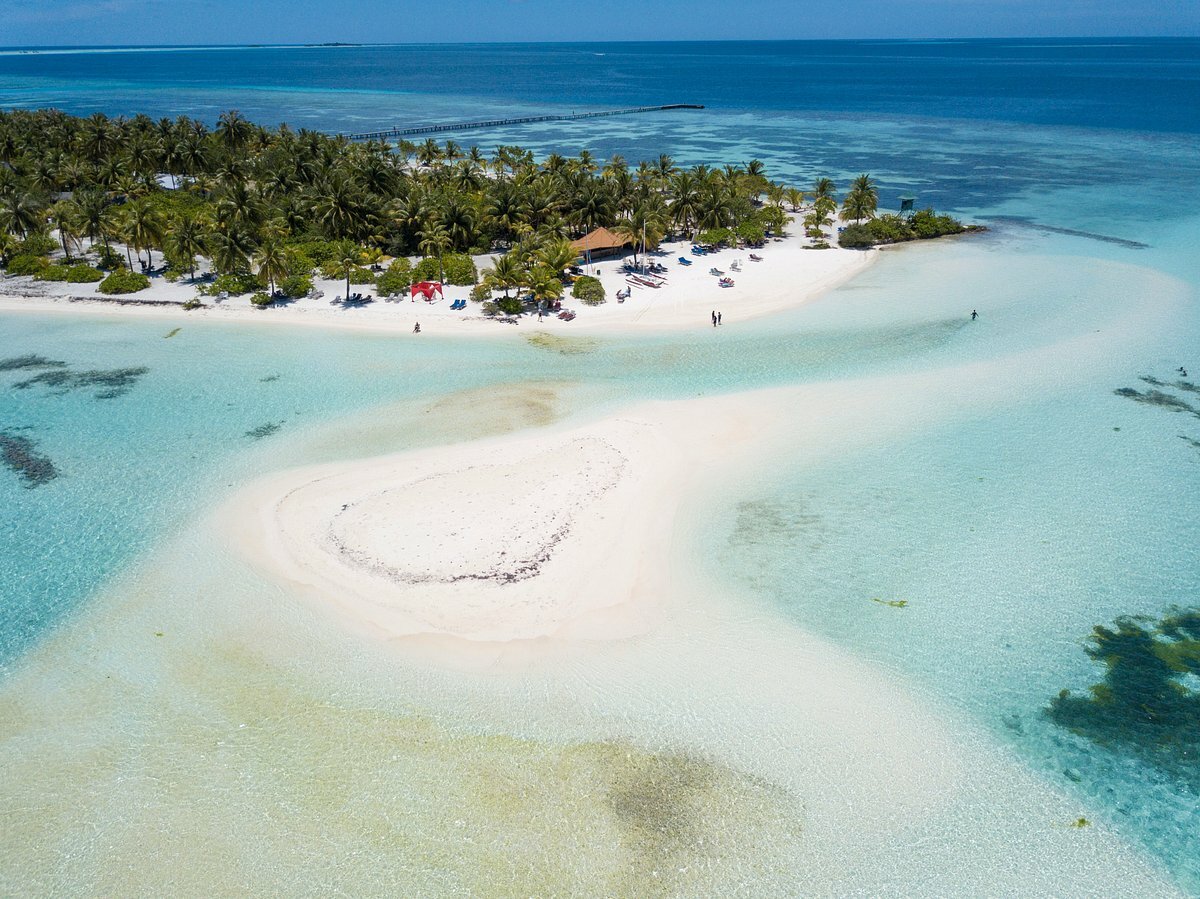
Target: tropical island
171	213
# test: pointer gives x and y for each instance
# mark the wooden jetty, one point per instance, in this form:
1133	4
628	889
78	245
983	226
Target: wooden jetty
386	133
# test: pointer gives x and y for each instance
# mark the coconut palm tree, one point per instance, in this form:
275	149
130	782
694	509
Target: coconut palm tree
863	199
184	240
545	284
233	131
273	263
230	248
338	206
21	213
435	242
65	214
142	229
824	188
507	273
347	260
556	254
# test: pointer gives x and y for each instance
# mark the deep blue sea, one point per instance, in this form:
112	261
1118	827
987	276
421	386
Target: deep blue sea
1012	531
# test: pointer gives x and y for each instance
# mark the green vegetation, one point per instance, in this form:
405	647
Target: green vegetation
278	203
124	282
588	290
296	286
268	208
26	264
396	279
890	228
1147	703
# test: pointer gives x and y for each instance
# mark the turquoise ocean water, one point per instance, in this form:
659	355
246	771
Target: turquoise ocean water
1011	529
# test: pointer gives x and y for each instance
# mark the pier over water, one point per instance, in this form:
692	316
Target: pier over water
524	120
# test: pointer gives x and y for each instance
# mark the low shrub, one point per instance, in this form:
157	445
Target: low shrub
109	259
193	303
715	236
124	282
260	299
52	273
26	264
396	279
37	245
481	292
312	254
234	284
295	286
427	269
362	275
460	269
926	224
588	290
507	305
856	237
751	232
84	274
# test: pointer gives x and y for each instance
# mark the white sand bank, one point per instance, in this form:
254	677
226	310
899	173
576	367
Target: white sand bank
787	277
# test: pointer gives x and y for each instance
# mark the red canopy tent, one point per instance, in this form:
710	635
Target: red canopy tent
426	289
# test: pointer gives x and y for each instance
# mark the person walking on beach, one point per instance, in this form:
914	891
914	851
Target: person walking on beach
417	328
974	315
718	318
714	318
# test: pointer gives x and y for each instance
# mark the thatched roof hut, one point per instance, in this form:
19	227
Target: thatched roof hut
600	242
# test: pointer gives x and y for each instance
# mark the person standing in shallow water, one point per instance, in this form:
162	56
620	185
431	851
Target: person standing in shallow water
718	318
974	315
714	318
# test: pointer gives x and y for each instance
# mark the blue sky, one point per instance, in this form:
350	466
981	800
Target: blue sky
72	22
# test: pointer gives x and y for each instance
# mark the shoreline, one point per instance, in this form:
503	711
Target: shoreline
761	289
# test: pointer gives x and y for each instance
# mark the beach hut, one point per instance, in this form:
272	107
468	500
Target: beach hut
600	243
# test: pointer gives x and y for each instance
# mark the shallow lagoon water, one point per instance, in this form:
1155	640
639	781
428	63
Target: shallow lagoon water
1073	524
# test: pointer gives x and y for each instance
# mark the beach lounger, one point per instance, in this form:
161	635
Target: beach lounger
683	261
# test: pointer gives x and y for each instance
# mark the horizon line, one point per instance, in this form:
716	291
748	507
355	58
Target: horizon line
340	44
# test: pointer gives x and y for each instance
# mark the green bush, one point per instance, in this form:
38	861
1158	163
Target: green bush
235	284
37	245
362	276
926	224
460	269
506	305
312	254
889	229
396	279
193	303
715	236
751	232
124	282
481	292
856	237
84	274
295	286
260	299
588	290
427	270
52	273
109	259
26	264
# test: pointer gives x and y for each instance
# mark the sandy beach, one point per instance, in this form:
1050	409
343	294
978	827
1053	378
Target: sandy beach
788	276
